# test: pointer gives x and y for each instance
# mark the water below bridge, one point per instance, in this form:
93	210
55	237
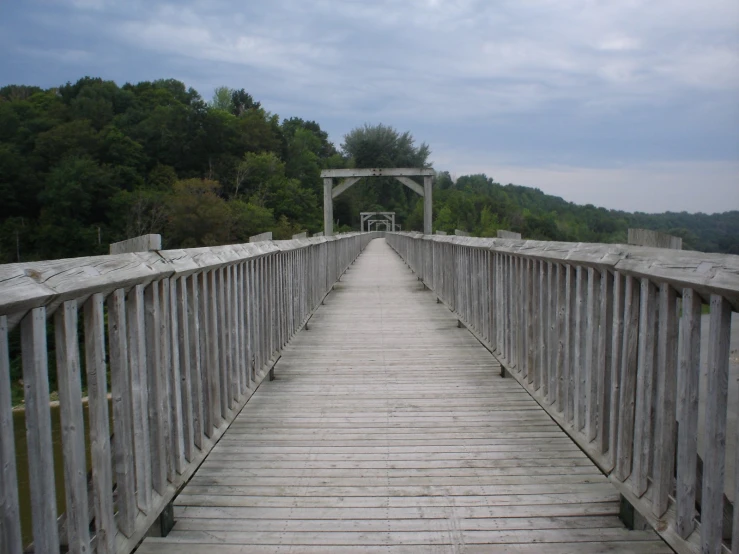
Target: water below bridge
389	429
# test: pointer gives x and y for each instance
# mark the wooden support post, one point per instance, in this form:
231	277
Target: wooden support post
428	214
328	207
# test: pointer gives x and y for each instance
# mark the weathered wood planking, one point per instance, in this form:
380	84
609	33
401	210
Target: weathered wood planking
392	428
620	356
10	527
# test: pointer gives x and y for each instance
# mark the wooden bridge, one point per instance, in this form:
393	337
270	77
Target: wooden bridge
487	395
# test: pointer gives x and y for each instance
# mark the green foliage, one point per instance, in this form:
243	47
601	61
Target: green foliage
91	162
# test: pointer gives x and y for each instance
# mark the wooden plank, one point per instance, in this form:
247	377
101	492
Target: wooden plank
38	431
152	307
176	416
97	394
605	360
616	338
715	416
664	408
645	382
578	366
205	354
120	386
381	427
594	366
561	338
186	382
73	428
629	362
135	319
569	341
688	381
10	523
552	342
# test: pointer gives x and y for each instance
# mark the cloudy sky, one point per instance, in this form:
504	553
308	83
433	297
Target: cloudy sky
628	104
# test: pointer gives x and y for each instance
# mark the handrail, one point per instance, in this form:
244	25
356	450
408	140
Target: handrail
190	336
607	339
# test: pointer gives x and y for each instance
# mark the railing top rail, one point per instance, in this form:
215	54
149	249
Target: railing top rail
704	272
28	285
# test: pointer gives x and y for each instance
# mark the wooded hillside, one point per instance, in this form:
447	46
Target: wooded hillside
90	163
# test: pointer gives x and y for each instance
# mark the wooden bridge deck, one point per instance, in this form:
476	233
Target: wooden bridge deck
388	429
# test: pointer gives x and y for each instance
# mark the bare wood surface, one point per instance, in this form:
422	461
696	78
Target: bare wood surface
10	529
73	428
714	459
38	431
97	394
393	429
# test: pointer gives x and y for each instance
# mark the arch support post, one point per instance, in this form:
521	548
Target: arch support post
328	206
428	205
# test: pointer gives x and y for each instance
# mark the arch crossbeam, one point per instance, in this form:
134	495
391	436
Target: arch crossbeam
351	176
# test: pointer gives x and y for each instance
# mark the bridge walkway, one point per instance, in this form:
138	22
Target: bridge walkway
388	429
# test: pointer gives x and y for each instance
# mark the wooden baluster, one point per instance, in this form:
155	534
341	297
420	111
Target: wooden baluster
645	379
215	377
570	317
527	287
194	325
38	431
717	382
175	381
185	358
122	418
222	338
629	363
605	363
579	343
664	408
561	337
156	388
543	318
594	367
166	368
10	522
135	319
203	281
552	333
73	428
97	394
616	339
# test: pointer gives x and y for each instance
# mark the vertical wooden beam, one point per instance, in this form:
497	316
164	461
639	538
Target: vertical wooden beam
175	379
73	428
157	435
328	207
629	363
664	407
196	375
122	420
10	522
712	516
97	394
38	431
616	339
186	382
594	367
135	319
644	388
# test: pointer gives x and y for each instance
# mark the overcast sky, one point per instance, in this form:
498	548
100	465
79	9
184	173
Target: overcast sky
627	104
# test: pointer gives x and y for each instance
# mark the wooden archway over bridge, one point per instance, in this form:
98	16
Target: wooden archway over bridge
351	176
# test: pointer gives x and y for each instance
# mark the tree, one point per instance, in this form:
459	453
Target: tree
383	146
222	99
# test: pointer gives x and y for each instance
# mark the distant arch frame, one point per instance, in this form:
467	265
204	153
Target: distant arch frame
349	177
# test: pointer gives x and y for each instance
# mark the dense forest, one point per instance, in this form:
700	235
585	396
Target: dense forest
90	163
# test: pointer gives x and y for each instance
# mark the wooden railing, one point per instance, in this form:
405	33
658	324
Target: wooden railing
186	336
607	338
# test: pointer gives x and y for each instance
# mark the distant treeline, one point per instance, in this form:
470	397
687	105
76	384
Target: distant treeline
90	163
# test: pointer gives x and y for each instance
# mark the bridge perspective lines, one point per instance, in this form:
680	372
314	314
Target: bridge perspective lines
389	429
